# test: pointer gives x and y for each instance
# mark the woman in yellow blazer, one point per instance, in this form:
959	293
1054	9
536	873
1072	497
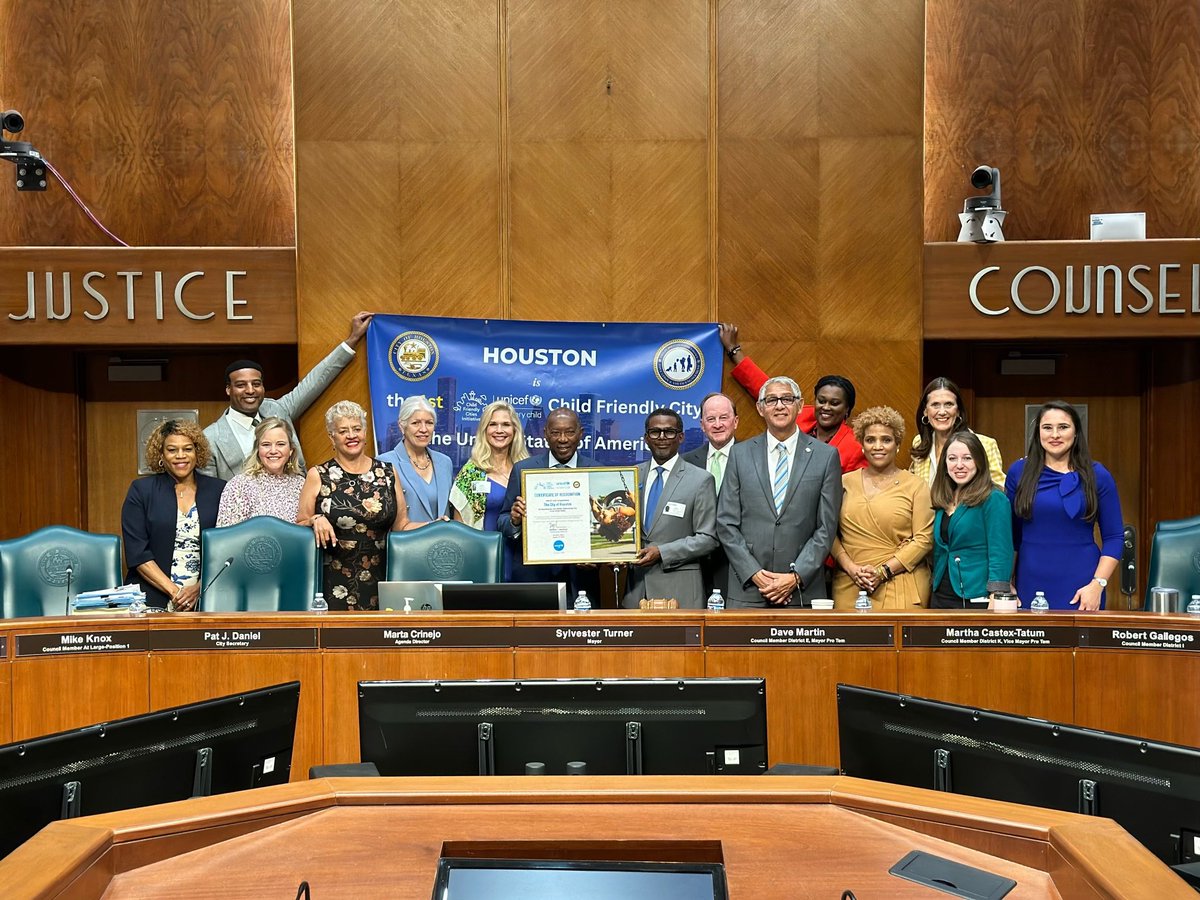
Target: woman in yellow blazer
939	414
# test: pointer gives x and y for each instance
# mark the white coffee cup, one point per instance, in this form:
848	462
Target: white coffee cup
822	604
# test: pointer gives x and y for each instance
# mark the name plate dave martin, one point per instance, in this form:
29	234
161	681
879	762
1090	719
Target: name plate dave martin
60	643
988	636
234	639
1126	638
799	636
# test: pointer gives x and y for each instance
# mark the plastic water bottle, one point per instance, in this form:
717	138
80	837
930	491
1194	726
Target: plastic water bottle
716	603
1193	606
318	604
582	603
1039	603
863	603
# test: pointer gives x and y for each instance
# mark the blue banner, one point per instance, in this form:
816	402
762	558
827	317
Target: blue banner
611	374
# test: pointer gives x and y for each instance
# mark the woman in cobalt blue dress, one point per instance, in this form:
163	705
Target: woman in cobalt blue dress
1058	496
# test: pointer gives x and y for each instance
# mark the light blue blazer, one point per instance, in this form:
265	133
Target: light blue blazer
443	477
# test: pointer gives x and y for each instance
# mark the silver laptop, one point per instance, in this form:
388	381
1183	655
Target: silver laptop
423	595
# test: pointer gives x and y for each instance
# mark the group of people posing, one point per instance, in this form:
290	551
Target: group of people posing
815	504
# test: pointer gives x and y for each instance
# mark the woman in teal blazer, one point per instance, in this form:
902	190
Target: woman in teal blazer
972	528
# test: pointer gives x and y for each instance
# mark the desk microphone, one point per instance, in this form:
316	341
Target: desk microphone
204	590
962	590
70	574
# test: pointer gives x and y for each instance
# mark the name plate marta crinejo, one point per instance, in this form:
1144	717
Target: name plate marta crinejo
226	638
58	643
587	515
382	637
799	636
1023	635
1126	638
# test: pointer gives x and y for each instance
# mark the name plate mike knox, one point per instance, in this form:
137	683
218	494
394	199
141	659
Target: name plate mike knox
60	643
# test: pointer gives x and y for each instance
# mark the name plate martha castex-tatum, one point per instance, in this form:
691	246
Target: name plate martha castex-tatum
58	643
988	636
1126	638
799	636
233	639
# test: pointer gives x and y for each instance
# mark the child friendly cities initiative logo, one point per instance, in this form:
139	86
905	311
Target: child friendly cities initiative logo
413	355
678	364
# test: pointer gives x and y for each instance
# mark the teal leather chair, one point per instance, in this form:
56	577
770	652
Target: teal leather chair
1175	556
445	551
33	569
275	566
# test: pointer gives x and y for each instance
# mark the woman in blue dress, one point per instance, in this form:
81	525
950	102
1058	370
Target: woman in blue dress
478	491
1059	496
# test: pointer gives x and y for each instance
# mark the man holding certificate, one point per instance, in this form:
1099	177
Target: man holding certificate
679	520
563	434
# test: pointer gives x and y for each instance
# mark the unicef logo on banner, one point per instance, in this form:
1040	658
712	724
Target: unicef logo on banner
678	364
413	355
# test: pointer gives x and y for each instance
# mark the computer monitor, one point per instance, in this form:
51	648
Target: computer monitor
1151	789
212	747
531	595
551	879
657	726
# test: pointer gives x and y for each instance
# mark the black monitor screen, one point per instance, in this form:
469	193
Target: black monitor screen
537	879
655	726
530	595
1151	789
212	747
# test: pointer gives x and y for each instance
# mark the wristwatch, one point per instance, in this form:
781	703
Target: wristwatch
1103	582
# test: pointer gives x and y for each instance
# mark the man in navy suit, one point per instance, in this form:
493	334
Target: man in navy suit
563	435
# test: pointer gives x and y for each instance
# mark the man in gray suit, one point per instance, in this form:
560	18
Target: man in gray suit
231	437
719	422
777	514
679	519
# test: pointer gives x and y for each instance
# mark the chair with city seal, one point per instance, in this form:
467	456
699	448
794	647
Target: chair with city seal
42	571
445	551
1175	556
263	564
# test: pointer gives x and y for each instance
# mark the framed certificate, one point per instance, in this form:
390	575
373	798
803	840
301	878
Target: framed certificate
581	515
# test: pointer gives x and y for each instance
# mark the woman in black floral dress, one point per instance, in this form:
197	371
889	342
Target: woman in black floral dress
351	503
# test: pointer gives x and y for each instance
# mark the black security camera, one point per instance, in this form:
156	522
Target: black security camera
12	121
983	178
30	168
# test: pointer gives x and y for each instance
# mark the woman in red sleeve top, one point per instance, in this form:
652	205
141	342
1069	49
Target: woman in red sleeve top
826	420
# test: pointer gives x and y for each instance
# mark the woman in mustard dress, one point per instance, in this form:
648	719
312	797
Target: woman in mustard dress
885	530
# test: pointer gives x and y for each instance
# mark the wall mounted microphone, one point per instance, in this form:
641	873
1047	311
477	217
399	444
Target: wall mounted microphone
204	590
70	574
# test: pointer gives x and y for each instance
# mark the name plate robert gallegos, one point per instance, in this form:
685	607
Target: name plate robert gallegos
1126	638
61	643
799	636
1023	635
611	635
233	639
405	635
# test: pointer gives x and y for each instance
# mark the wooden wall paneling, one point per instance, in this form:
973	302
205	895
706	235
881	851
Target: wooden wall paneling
398	183
344	669
57	694
5	701
1117	685
594	663
802	693
172	120
1172	491
1174	104
1004	86
179	678
1012	681
41	445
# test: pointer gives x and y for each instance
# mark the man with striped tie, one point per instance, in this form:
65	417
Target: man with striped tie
777	512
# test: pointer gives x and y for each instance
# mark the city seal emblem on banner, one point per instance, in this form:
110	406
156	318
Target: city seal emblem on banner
678	364
413	355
